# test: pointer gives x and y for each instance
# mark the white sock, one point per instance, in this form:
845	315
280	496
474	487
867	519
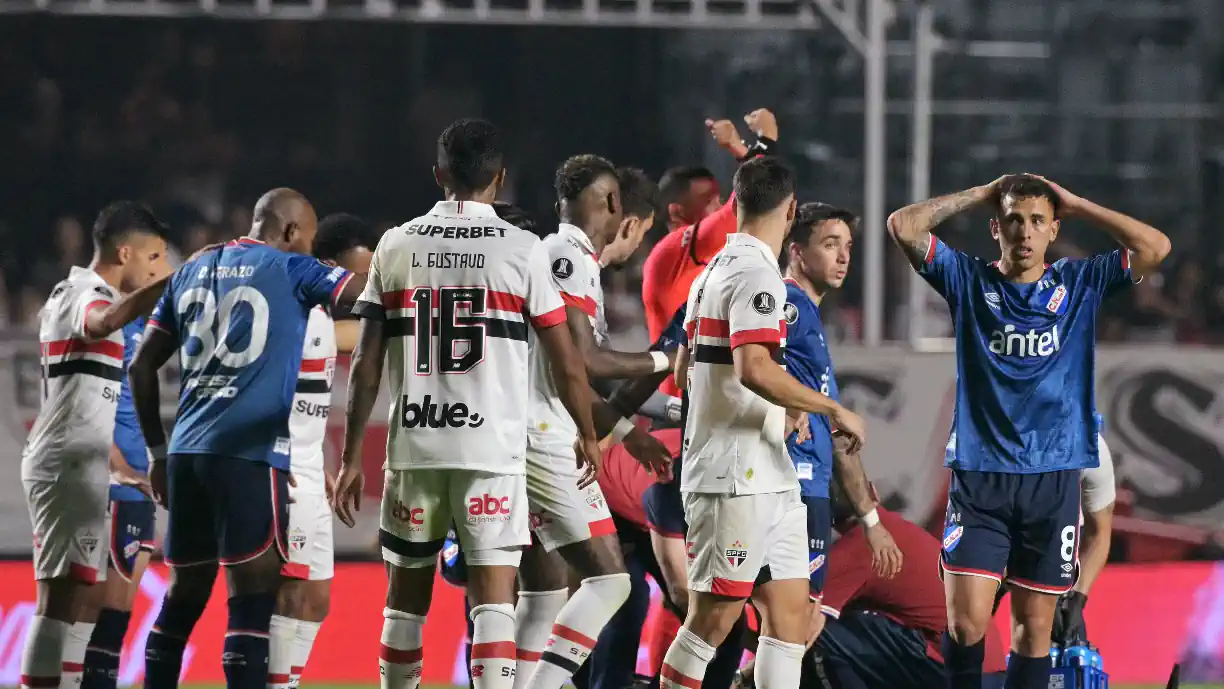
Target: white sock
281	635
73	661
778	664
534	615
303	641
399	657
684	666
493	646
577	627
42	658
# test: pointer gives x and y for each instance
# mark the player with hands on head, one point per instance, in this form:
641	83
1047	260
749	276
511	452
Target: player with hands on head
1024	424
741	494
452	299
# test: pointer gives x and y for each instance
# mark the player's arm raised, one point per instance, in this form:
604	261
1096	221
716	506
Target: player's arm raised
1148	246
911	226
106	319
848	470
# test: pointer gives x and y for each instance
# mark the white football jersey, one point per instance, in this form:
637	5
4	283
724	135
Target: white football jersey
312	399
734	440
456	288
80	385
575	272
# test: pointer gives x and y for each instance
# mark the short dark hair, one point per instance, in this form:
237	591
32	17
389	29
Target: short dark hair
762	184
120	219
340	232
1026	187
517	216
579	172
470	152
677	181
808	217
639	195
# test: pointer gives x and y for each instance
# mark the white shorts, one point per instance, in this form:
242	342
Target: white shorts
311	553
731	537
72	529
561	512
489	513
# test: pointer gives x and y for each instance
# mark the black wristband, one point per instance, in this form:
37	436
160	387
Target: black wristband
763	146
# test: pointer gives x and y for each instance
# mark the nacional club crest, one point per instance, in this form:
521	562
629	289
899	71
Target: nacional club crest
736	554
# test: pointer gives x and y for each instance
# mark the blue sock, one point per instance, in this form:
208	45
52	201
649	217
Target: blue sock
245	653
1027	673
167	639
963	664
102	653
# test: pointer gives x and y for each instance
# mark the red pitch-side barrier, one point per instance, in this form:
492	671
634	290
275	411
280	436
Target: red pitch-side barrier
1143	617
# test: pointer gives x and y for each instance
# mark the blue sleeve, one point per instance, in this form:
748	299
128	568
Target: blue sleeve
1105	273
944	268
664	509
164	316
673	335
798	324
315	283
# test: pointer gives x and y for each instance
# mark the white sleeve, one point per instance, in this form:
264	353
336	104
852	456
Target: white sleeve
84	301
543	302
370	303
570	276
754	315
1098	487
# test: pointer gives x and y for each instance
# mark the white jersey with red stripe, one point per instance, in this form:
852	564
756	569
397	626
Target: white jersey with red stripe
575	272
71	438
734	440
456	288
312	400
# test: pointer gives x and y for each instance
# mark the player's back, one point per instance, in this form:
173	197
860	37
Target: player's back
240	316
733	439
312	397
808	360
71	437
456	287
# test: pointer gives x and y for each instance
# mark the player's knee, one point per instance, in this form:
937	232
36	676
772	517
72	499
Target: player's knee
291	598
192	583
259	575
966	630
613	589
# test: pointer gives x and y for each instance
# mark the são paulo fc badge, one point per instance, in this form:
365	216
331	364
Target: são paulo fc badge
737	553
791	313
763	303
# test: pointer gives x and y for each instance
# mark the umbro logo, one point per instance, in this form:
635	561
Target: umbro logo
992	300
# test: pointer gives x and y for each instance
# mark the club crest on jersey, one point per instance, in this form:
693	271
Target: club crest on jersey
763	303
952	537
791	313
736	554
297	539
87	542
1056	299
562	268
992	300
816	563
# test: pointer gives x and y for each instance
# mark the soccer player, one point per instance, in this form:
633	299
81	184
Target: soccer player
304	597
569	515
64	469
458	424
237	316
741	495
680	257
1023	426
815	260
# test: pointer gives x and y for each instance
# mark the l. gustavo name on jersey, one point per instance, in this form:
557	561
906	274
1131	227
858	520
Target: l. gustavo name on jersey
1012	342
430	414
448	259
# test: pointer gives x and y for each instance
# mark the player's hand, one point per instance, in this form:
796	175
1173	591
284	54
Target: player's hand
1069	628
886	559
329	485
157	483
346	500
289	478
589	460
726	136
1068	203
200	252
762	123
801	426
850	426
649	452
127	476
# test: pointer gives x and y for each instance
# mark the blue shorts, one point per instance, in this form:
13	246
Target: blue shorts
132	531
224	509
1024	527
819	528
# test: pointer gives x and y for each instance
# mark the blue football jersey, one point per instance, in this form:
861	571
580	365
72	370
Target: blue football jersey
128	437
1025	399
807	359
239	314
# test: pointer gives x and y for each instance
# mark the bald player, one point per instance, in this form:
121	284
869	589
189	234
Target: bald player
224	476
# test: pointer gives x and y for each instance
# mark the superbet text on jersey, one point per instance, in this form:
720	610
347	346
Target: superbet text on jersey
1025	399
239	362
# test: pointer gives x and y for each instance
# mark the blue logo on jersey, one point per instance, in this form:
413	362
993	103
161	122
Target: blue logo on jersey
816	563
952	537
1012	342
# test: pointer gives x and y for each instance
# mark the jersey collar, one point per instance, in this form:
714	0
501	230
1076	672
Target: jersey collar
471	209
574	232
747	240
245	241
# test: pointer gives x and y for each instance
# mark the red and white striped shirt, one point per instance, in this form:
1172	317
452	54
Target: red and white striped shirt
312	400
734	440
